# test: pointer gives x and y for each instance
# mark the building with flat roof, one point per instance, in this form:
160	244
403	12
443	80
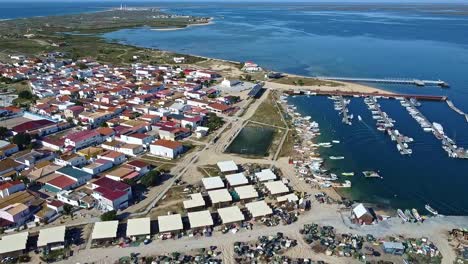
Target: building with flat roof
265	175
139	227
291	197
211	183
259	209
246	192
13	245
53	238
237	179
276	187
200	219
228	166
170	223
105	230
231	215
196	201
220	196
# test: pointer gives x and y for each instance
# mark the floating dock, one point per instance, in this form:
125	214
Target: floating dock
416	82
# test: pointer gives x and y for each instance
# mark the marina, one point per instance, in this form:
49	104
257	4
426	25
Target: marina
376	154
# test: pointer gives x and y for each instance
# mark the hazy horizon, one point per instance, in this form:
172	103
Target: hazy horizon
258	1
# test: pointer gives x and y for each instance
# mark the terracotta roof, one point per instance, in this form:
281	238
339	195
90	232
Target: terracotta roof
61	182
9	184
8	164
31	125
138	163
110	184
168	144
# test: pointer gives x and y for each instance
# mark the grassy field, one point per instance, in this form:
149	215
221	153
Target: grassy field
78	35
268	113
300	81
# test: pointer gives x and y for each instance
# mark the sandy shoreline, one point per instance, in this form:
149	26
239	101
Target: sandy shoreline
210	22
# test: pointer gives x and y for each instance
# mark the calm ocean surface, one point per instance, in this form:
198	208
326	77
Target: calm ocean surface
361	42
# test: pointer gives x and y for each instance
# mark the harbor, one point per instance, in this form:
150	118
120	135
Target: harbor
400	181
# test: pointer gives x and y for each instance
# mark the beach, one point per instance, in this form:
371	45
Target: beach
210	22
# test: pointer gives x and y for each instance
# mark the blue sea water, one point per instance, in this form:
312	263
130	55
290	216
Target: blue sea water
312	39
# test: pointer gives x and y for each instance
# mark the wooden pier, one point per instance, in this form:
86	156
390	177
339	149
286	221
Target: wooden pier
416	82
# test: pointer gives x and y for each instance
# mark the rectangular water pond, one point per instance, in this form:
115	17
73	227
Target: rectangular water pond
252	140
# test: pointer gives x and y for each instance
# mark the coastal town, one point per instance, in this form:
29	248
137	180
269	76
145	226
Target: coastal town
186	159
102	157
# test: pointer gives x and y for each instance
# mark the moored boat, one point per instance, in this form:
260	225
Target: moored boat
431	210
402	215
416	215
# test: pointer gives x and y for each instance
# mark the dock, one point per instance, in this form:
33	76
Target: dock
387	125
341	105
457	110
359	94
416	82
447	144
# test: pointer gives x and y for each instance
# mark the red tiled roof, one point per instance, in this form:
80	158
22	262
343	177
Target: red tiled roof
31	125
82	135
168	144
61	182
110	184
138	163
9	184
110	195
220	107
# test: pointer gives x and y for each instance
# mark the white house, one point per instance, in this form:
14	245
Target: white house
166	148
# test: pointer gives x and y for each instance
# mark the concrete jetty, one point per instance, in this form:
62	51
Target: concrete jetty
416	82
457	110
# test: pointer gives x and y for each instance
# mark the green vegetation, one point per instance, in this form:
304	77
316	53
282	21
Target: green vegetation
67	209
109	216
268	113
152	178
3	132
78	36
214	122
301	81
22	140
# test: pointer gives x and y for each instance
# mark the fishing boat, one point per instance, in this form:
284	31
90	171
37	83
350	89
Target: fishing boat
371	174
336	157
416	215
359	118
402	215
409	215
336	141
431	210
347	173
